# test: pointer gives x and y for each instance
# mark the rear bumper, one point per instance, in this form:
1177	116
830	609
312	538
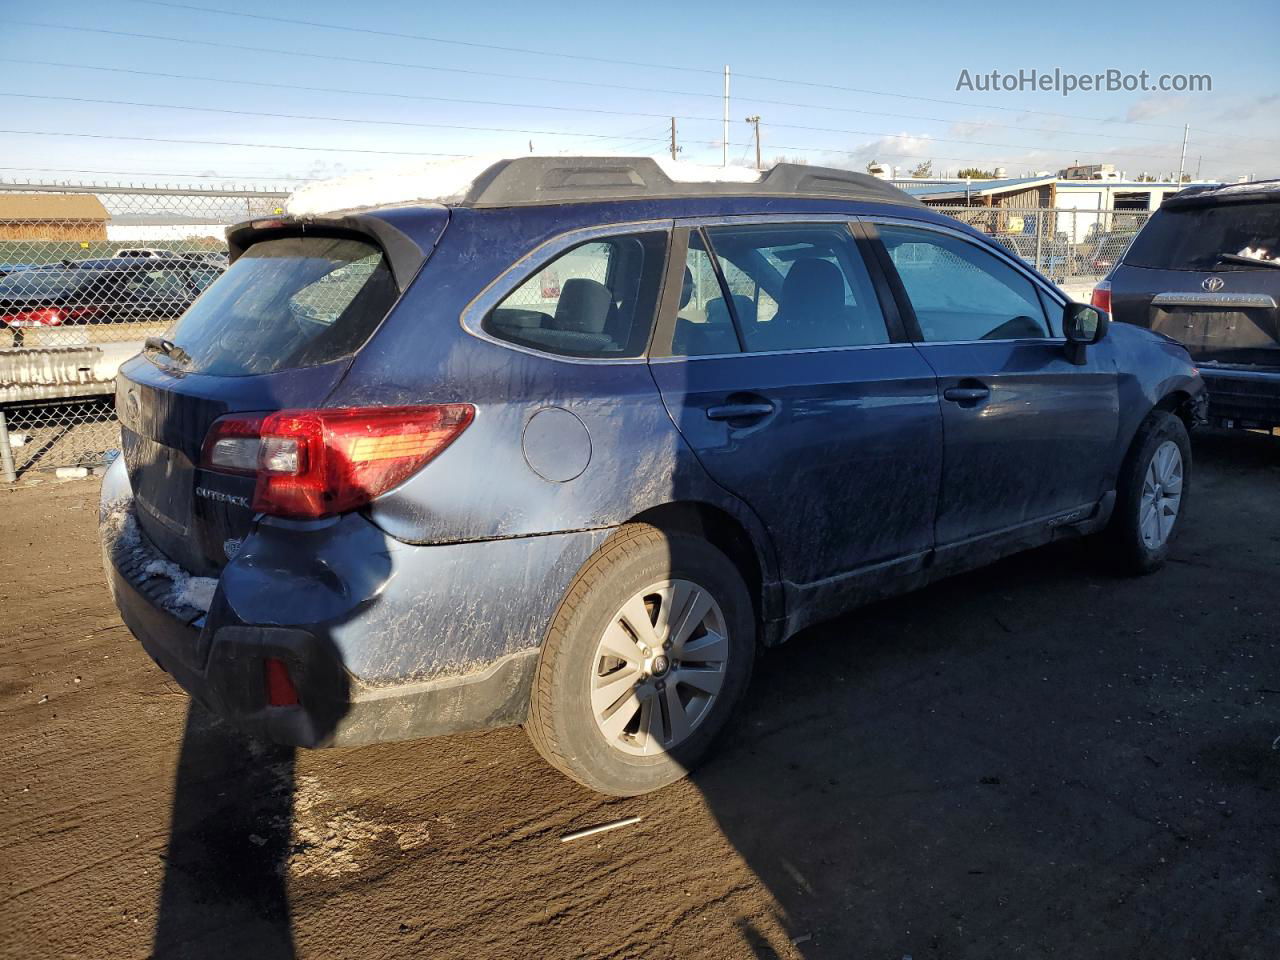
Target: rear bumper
224	669
1239	397
462	681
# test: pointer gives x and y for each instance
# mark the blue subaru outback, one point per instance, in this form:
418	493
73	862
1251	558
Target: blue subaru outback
566	449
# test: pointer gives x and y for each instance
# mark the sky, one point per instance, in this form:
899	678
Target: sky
839	84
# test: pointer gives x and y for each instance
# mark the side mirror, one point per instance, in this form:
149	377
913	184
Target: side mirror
1082	325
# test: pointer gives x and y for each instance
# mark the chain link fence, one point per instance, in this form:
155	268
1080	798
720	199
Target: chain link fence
1073	247
87	273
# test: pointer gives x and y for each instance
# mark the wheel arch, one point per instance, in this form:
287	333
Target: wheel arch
731	537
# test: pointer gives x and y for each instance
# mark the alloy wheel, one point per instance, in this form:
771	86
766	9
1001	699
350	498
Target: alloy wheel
1161	495
658	667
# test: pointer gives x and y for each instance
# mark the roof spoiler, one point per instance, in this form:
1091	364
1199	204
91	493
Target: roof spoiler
404	256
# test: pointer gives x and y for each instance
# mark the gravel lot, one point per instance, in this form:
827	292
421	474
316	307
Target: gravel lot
1033	760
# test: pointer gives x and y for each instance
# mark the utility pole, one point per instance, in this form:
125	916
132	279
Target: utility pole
755	122
674	148
724	157
1186	127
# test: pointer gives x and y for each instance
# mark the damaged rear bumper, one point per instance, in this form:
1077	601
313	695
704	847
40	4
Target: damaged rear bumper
225	670
222	661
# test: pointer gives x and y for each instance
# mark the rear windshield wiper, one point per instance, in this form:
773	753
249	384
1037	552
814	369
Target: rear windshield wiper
1250	261
168	348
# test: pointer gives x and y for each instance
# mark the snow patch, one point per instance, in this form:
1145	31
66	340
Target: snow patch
440	182
121	537
187	591
448	181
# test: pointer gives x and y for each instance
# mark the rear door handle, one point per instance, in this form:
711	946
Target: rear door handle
739	411
966	394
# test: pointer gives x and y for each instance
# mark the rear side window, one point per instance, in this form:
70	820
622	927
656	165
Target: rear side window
287	303
595	300
959	291
1197	238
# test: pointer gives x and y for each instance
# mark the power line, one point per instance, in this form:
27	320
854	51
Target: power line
537	132
312	116
430	39
162	173
229	143
557	107
275	51
589	83
654	66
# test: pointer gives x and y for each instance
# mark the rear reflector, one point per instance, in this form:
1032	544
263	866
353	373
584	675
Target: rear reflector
280	689
1102	296
319	463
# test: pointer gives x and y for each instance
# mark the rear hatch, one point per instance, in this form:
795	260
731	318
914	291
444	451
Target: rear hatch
277	331
1206	271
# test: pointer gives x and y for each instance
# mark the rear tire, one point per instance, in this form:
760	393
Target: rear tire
1151	495
645	661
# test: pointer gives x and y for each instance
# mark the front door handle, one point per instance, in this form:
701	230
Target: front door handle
739	411
966	394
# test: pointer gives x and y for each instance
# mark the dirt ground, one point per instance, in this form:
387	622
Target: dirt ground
1034	760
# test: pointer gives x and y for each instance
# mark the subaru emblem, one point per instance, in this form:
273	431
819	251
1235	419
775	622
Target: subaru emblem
1213	284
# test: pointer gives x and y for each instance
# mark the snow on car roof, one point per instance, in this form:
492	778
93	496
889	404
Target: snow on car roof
489	181
452	181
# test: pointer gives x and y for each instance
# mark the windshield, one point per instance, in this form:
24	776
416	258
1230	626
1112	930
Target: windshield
292	302
1196	238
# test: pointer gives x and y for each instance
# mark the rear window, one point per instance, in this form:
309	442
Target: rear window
1195	238
287	303
41	283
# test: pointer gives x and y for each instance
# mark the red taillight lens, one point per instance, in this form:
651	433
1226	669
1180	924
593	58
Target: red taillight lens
1102	296
41	317
280	689
318	463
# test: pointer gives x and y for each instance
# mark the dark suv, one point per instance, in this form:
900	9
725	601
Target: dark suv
1205	270
566	448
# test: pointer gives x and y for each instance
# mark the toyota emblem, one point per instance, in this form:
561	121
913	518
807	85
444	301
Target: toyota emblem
1213	284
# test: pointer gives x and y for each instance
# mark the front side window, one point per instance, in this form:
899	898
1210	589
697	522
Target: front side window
595	300
798	287
960	291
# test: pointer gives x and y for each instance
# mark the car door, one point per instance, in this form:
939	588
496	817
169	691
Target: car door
1029	434
787	371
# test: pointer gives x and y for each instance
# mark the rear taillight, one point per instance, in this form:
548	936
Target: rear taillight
1102	296
40	317
318	463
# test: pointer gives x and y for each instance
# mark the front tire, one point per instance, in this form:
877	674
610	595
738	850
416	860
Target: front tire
1151	495
646	659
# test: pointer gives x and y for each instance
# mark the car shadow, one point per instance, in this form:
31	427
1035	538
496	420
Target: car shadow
224	889
998	764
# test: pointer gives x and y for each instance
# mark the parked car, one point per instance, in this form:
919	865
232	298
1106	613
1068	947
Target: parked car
99	291
1052	256
386	479
1106	249
1206	271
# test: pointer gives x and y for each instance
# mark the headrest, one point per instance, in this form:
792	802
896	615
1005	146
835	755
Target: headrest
583	306
686	292
813	284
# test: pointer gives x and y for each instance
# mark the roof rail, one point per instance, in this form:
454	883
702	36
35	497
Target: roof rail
526	181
